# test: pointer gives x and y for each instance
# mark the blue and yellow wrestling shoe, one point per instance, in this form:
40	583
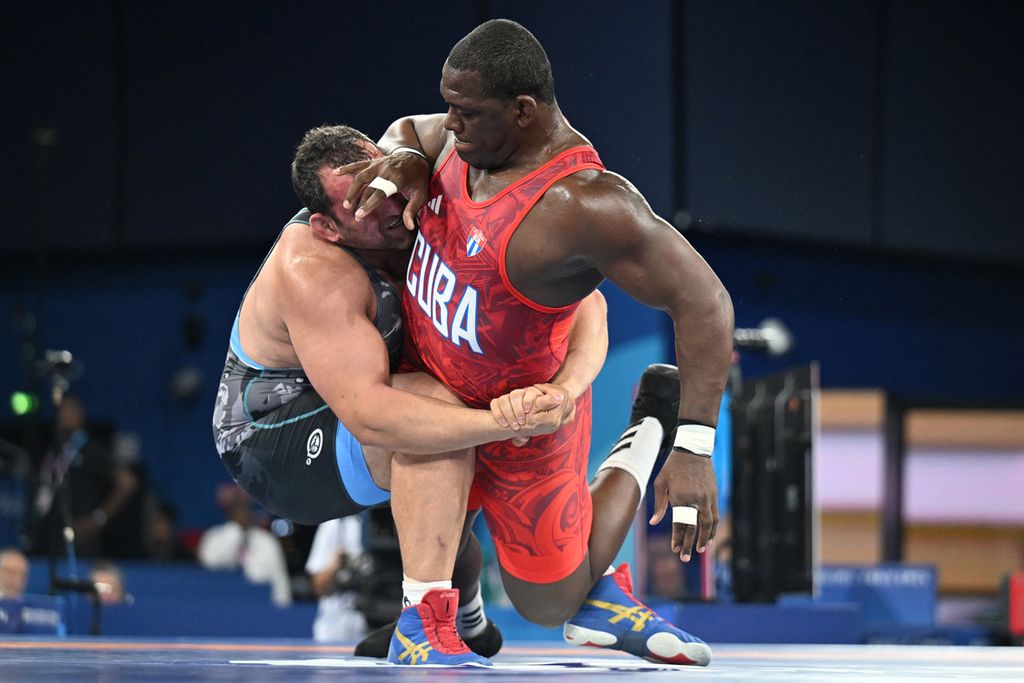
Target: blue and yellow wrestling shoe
612	618
426	634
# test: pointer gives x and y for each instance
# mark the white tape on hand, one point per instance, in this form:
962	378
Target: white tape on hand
684	514
384	185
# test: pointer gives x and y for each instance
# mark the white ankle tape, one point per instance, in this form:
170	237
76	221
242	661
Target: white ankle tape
636	451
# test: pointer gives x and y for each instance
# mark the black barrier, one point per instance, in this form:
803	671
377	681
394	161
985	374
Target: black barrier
774	534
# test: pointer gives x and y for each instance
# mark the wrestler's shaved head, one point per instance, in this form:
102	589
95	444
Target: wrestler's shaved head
510	61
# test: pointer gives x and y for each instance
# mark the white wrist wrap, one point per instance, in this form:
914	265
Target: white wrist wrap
699	439
411	150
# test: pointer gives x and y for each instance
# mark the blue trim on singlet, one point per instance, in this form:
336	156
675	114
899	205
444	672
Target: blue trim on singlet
352	464
290	420
236	346
236	340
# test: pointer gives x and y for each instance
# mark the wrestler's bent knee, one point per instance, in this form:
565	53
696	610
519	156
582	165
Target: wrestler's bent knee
548	605
546	613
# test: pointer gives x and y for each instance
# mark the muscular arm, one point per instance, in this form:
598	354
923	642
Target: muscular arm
322	582
588	346
652	262
424	132
344	357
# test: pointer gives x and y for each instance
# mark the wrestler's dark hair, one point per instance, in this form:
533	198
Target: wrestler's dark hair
510	61
331	146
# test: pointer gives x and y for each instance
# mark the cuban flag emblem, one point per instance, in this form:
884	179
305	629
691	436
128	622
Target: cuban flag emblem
476	242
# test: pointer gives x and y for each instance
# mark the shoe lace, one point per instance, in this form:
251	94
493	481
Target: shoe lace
448	636
625	582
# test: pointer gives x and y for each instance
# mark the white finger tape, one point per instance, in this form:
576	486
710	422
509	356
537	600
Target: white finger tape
684	514
384	185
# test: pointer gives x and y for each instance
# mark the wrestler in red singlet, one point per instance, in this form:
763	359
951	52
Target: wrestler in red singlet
469	327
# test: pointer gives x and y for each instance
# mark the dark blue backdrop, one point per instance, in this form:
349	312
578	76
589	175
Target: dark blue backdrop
146	173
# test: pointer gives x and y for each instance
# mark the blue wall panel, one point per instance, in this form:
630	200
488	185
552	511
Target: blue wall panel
915	328
954	148
226	113
778	117
216	97
613	79
124	325
58	175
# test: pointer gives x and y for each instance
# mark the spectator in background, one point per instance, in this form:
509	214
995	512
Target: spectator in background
336	546
109	582
240	543
13	573
162	542
123	535
99	488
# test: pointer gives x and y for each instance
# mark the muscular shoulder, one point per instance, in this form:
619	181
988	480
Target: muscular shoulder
316	277
599	190
596	208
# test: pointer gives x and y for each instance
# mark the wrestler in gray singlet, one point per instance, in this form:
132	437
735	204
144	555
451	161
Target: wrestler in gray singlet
280	441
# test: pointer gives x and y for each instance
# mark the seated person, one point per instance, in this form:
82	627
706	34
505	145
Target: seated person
13	573
240	543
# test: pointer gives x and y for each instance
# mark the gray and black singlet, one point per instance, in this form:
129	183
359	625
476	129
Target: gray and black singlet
280	441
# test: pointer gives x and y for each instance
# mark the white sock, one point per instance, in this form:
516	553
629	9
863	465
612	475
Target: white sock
609	571
472	620
413	590
636	451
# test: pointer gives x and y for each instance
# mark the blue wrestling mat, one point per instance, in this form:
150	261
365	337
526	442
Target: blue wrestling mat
115	661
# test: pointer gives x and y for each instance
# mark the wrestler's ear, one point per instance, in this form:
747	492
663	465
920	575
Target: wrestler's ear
324	227
526	110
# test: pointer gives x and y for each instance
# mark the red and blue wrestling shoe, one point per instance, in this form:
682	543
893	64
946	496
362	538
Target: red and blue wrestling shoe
426	634
612	618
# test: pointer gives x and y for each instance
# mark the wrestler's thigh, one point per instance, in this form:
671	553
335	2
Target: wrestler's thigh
291	463
536	500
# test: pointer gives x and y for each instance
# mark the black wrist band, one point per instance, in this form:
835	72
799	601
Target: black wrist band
682	422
